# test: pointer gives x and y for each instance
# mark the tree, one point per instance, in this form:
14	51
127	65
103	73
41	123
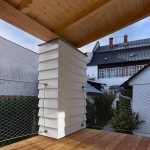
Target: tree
100	112
124	120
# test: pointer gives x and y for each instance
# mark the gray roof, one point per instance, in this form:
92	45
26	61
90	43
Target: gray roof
90	89
132	51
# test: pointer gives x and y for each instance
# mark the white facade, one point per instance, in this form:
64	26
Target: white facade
112	76
92	71
141	100
18	70
62	100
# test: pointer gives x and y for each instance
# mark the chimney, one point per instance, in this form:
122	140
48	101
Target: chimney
125	39
110	42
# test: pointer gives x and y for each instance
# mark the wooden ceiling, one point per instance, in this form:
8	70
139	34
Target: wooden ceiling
76	21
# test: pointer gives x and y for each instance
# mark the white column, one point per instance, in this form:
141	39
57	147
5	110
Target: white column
61	100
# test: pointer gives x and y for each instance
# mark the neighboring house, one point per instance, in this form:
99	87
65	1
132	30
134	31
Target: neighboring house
113	64
93	89
18	70
141	98
95	84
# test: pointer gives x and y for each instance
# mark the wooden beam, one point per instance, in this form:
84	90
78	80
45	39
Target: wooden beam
88	10
10	14
134	17
24	4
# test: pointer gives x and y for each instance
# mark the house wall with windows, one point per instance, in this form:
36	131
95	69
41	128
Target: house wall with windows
114	64
113	76
117	75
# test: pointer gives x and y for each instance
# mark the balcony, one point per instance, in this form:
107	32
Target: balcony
84	139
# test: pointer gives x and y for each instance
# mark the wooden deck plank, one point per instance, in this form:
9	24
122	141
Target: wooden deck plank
41	144
148	147
23	143
31	142
133	144
115	141
70	141
104	144
143	144
124	143
86	139
88	143
101	144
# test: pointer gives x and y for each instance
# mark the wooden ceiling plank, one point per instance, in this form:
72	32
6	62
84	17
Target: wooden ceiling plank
134	17
14	3
24	4
10	14
92	20
88	10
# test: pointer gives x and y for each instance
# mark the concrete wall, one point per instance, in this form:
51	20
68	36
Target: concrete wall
62	103
141	100
17	64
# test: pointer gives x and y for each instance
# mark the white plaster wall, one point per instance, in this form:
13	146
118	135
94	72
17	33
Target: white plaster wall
92	71
62	103
17	64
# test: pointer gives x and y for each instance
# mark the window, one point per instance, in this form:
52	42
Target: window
139	67
131	70
101	73
119	71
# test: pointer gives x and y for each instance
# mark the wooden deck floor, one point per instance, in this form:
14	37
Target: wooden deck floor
86	139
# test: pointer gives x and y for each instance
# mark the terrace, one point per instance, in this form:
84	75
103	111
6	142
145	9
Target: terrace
86	139
64	26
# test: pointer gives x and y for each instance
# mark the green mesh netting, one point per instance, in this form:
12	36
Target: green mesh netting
18	116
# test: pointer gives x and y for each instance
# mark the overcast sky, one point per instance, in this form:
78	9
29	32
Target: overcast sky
138	30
